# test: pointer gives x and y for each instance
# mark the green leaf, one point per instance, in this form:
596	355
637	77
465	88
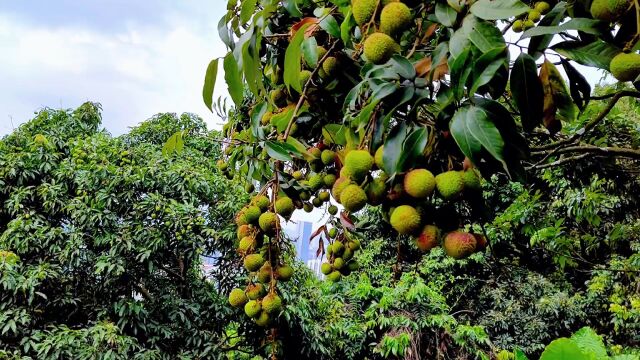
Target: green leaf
251	62
590	343
597	54
175	144
278	150
256	116
292	56
486	67
472	130
335	134
247	9
498	9
393	149
538	44
562	349
556	96
527	92
345	28
519	355
588	26
233	78
281	119
446	15
578	85
330	25
210	83
412	148
310	51
460	68
483	34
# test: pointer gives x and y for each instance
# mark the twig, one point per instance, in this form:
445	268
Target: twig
558	162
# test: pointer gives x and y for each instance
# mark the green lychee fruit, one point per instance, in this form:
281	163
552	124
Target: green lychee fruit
378	157
376	191
337	247
332	210
266	118
284	206
419	183
429	238
329	180
518	26
246	243
237	298
333	232
315	181
253	262
297	175
354	244
542	7
330	67
379	47
363	10
625	67
609	10
252	308
264	274
284	272
334	276
338	263
471	180
244	230
395	18
528	24
534	15
261	201
358	163
278	97
328	157
405	219
256	291
339	186
268	222
353	265
251	214
324	196
317	202
272	303
263	319
304	77
326	268
459	244
353	198
307	207
450	184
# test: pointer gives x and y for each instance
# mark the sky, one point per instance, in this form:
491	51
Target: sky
135	57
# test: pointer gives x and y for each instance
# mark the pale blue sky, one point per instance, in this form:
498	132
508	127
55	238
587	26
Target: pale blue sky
136	57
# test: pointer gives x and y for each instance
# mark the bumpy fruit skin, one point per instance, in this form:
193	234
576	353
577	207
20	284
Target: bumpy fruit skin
328	157
625	67
337	248
517	26
405	219
326	268
324	196
542	7
333	232
253	262
244	230
429	238
284	272
237	298
363	10
395	18
255	291
354	244
266	118
378	157
353	198
279	97
304	76
329	180
246	243
268	222
332	210
297	175
252	308
315	181
534	15
271	303
338	263
358	163
261	201
419	183
353	265
330	66
528	24
481	242
339	186
251	214
376	190
264	274
263	320
449	184
284	206
334	276
379	47
609	10
471	180
459	244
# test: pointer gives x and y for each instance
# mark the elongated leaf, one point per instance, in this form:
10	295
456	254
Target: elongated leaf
483	34
498	9
330	25
527	91
310	51
445	14
486	67
597	54
393	149
412	148
247	9
578	86
345	28
519	355
292	66
335	134
175	144
588	26
278	150
460	68
256	116
558	105
472	130
233	78
538	44
210	83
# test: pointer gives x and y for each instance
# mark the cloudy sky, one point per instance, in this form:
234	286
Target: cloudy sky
136	57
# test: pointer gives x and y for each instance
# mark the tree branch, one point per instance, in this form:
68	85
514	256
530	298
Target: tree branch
607	151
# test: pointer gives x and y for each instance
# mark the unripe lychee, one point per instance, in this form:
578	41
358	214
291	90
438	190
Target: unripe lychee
284	206
244	230
329	180
542	7
363	10
253	262
261	201
450	184
328	157
268	222
237	298
376	191
326	268
609	10
419	183
256	291
518	26
625	67
353	198
337	248
251	214
315	181
271	303
252	308
379	47
358	163
338	263
284	272
459	244
264	274
334	276
339	186
395	18
297	175
405	219
378	157
246	243
263	319
330	66
429	238
471	180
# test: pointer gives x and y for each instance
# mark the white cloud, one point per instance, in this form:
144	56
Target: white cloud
134	71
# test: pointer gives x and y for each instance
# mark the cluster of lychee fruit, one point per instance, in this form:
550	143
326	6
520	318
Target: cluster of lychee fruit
391	17
529	19
340	253
258	226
